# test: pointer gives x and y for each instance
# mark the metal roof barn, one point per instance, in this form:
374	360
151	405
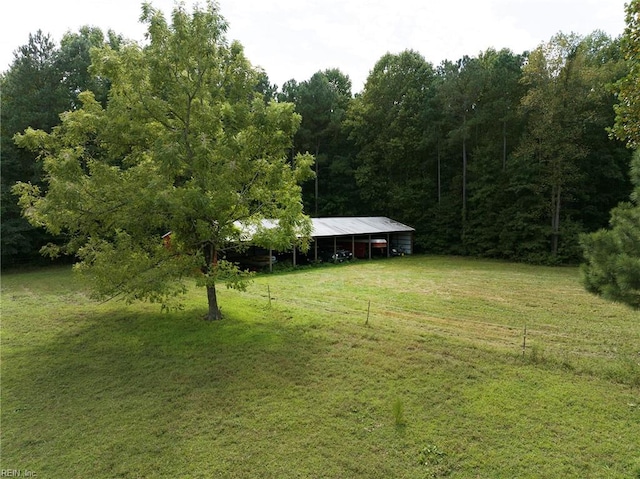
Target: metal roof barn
344	226
360	237
338	237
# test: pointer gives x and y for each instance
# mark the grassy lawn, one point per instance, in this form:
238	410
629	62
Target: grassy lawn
293	383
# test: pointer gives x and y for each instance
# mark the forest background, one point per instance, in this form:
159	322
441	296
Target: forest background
504	155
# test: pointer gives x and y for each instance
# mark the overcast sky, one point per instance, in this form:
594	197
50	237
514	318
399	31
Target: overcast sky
296	38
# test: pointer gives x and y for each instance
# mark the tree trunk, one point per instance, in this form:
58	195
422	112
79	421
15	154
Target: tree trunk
211	263
464	179
504	145
464	169
317	174
214	313
555	220
439	173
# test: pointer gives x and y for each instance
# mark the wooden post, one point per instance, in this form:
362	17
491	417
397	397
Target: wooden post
368	311
269	293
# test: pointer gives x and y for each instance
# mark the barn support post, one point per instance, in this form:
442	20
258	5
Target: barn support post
353	245
388	245
335	245
370	256
315	250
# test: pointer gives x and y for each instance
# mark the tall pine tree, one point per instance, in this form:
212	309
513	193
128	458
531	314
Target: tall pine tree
612	267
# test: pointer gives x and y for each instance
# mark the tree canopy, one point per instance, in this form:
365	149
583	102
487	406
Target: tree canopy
186	144
612	267
627	126
388	125
323	101
44	80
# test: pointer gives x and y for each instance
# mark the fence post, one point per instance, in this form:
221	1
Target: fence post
368	311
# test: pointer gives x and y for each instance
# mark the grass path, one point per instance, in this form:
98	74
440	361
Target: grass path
434	386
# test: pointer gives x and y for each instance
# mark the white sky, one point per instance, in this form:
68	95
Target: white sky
296	38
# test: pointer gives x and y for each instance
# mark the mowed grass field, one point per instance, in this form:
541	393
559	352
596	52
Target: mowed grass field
409	367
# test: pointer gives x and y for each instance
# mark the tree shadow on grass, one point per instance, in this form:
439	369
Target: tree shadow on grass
151	395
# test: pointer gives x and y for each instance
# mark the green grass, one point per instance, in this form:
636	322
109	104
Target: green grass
435	385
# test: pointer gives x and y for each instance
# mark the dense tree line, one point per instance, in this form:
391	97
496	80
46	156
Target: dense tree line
43	81
503	154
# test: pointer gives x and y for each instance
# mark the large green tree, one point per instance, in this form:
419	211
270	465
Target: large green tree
627	126
323	101
565	174
555	109
460	94
495	129
43	81
73	59
612	266
605	168
471	127
187	145
32	95
388	125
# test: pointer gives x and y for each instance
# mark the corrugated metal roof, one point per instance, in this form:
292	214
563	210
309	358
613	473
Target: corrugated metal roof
366	225
339	226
